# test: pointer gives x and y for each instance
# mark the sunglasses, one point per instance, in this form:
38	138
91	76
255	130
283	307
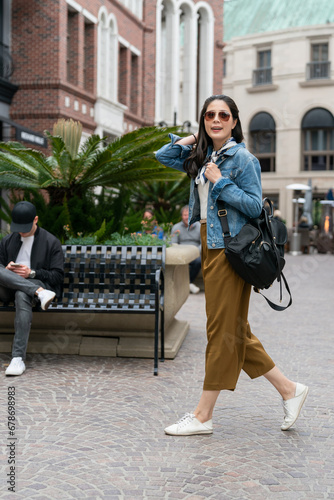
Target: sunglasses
222	115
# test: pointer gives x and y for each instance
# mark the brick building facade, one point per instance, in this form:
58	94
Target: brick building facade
114	65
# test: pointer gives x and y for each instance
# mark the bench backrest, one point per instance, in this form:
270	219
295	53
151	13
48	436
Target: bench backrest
111	277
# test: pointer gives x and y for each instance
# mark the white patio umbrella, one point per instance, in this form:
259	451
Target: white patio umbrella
298	187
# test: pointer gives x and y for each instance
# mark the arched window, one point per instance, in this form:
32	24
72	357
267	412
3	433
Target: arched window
318	140
112	59
262	131
107	57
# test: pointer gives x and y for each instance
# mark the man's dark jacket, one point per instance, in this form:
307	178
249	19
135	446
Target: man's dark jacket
47	257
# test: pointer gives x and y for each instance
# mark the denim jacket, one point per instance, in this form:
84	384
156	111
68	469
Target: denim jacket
239	188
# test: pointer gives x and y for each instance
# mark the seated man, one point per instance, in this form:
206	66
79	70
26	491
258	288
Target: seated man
183	236
31	270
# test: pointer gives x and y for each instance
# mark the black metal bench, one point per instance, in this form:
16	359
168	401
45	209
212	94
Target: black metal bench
115	279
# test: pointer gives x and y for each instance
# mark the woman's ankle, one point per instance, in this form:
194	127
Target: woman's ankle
289	392
203	416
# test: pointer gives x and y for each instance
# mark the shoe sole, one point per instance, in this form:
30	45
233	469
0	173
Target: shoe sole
299	409
189	433
14	374
46	306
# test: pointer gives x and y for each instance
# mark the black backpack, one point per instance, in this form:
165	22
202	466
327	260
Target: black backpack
257	252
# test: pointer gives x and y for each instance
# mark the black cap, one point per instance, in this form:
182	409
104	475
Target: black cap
23	215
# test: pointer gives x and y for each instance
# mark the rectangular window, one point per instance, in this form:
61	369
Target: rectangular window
263	146
264	59
224	66
319	67
319	52
331	140
318	149
89	57
263	74
72	47
134	84
123	74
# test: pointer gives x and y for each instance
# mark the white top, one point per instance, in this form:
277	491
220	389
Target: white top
25	251
203	192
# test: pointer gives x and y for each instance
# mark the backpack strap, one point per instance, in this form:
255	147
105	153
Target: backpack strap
276	307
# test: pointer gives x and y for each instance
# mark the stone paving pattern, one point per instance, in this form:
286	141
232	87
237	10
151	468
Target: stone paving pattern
92	427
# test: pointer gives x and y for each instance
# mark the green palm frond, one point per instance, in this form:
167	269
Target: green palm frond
88	153
139	142
31	157
5	211
127	153
129	159
137	171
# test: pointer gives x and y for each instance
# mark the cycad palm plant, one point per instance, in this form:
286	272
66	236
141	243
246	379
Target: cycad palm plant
72	169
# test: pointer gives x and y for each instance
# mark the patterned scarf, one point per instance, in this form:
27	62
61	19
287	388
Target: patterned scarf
213	158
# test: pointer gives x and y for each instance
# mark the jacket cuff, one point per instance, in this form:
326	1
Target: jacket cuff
184	149
219	186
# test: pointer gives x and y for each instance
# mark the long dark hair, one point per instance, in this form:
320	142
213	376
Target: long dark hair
198	155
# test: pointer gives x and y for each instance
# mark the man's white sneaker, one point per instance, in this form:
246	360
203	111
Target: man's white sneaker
193	288
293	406
16	367
45	298
189	425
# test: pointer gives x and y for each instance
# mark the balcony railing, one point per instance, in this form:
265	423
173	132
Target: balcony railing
262	76
317	70
6	62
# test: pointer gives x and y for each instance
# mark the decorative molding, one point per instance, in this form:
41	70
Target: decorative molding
56	114
317	83
90	16
261	88
57	84
75	5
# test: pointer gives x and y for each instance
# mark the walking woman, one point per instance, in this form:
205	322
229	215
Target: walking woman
221	168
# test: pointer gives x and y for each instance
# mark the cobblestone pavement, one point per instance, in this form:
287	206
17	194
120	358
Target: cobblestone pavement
92	427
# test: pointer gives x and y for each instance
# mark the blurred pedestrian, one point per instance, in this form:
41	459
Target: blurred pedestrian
183	234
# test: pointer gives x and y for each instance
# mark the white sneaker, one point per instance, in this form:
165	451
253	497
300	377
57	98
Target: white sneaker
293	406
193	288
189	425
16	367
46	297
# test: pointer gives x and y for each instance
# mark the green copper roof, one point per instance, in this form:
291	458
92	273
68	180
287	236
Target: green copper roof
244	17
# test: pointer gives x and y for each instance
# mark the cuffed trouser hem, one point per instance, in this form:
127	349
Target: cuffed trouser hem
223	387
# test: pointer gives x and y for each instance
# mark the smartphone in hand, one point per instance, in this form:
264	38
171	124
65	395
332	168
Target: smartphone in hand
16	264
